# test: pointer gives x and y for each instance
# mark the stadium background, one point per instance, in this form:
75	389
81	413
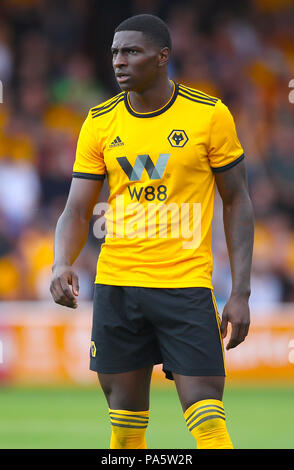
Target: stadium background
54	65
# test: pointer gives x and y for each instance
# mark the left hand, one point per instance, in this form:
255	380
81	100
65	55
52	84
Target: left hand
236	312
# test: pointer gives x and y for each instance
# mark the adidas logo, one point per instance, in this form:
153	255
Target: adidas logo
116	142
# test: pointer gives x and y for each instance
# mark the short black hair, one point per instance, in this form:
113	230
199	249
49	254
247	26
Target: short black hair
151	26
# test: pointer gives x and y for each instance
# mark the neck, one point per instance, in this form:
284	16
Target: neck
152	98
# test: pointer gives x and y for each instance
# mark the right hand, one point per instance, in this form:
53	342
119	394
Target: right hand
62	278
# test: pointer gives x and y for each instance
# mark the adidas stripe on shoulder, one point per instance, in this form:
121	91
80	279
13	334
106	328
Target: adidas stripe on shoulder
107	105
197	96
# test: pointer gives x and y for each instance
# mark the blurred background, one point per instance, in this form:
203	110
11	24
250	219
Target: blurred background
55	64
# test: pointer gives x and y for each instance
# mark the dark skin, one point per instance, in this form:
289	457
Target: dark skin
70	236
144	66
239	230
141	68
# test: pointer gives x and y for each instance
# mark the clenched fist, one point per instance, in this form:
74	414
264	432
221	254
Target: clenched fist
62	278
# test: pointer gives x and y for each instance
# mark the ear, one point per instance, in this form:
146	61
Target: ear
163	57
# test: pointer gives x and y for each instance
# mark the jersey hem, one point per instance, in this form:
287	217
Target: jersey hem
163	285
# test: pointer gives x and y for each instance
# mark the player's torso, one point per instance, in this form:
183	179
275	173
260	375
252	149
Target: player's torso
161	193
158	158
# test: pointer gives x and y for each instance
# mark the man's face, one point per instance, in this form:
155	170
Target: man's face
135	60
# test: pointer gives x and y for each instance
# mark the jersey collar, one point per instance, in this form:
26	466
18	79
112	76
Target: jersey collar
157	111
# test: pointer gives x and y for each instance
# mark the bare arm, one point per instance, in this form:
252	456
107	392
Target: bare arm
70	236
239	231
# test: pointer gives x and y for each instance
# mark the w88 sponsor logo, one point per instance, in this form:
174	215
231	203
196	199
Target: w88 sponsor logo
151	193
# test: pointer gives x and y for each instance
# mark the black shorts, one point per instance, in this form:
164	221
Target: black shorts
136	327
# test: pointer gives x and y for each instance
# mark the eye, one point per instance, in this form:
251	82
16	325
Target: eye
132	51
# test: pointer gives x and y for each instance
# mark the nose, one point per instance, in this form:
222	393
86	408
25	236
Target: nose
119	60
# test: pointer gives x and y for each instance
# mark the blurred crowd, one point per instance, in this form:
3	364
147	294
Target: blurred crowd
55	64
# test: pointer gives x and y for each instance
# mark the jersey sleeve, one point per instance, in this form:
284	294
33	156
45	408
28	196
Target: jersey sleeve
89	162
225	150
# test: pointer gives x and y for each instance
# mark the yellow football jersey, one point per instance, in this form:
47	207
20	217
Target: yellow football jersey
160	169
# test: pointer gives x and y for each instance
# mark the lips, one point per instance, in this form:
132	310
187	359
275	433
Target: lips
121	77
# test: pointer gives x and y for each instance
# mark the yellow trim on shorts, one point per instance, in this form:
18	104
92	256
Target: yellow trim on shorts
218	320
